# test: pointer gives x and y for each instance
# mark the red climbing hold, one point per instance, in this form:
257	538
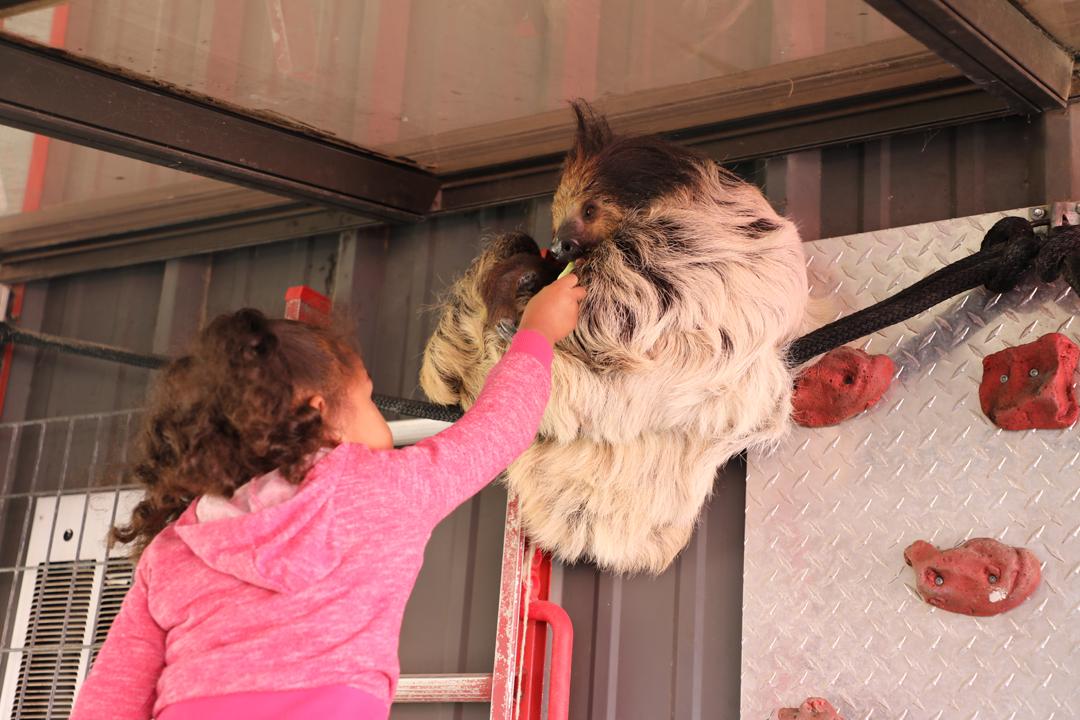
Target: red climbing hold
811	709
840	385
1031	386
981	577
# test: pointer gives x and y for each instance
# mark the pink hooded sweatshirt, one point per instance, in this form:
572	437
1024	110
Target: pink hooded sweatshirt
289	602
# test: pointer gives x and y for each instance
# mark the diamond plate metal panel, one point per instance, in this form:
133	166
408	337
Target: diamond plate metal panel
829	605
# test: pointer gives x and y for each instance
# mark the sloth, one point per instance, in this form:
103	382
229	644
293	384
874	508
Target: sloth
695	287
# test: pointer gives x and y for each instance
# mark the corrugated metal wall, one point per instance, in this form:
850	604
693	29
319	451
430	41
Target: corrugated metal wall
645	647
951	172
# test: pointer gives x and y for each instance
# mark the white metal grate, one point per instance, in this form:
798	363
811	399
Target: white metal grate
69	594
49	670
118	576
54	517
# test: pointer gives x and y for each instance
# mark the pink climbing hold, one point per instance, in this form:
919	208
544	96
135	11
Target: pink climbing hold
812	709
842	384
982	577
1031	386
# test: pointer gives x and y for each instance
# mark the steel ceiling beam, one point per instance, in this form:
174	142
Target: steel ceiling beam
49	92
947	103
994	44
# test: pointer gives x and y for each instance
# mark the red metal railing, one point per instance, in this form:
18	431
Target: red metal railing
562	649
541	611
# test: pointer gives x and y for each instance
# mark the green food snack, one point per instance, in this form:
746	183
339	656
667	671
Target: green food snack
566	270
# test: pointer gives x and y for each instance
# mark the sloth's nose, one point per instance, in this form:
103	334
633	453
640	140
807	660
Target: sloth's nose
565	249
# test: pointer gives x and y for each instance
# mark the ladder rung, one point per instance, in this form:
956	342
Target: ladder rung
443	688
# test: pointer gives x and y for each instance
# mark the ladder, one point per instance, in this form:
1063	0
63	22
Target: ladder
515	686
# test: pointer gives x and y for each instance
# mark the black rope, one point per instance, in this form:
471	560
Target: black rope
1060	256
417	408
10	333
1006	255
1009	251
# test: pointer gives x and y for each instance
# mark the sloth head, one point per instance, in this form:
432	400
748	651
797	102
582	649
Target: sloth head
606	176
667	242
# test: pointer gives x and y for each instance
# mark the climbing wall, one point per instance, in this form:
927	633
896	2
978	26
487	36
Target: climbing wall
829	605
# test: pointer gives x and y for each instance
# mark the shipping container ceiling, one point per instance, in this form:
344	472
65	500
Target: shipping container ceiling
241	118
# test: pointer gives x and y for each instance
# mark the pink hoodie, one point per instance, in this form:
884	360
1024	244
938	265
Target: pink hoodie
294	609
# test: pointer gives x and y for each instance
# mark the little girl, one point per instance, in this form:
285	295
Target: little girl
281	533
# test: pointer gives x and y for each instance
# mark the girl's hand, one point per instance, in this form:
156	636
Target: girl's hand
553	312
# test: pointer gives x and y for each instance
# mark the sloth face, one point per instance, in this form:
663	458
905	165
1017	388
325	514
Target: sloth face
581	223
518	273
605	177
659	235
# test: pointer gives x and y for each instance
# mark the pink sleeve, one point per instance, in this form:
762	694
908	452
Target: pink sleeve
123	681
444	470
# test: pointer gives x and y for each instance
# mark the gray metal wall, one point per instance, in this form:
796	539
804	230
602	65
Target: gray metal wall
645	647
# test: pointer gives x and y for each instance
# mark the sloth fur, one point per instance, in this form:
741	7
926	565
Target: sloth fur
695	288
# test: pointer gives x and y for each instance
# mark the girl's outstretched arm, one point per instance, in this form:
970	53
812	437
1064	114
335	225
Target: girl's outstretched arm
444	470
123	681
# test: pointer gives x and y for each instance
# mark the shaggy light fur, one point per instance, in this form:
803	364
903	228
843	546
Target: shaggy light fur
677	364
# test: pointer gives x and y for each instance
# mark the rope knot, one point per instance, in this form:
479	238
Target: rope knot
1060	256
1017	245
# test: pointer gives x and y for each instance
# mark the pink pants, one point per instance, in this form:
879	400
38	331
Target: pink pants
333	702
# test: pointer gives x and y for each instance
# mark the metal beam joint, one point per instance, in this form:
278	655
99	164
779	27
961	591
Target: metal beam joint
994	44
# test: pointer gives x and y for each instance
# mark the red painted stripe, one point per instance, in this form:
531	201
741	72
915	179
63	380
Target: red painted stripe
17	294
35	183
39	152
35	179
58	33
5	372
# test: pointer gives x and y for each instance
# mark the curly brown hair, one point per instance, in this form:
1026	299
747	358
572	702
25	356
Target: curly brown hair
237	406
